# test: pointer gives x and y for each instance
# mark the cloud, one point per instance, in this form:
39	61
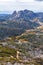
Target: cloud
25	0
39	0
11	5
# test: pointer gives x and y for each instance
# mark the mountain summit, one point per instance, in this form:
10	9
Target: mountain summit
25	19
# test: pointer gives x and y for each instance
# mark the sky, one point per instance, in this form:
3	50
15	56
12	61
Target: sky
8	6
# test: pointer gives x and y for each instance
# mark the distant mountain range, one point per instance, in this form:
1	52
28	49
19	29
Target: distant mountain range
5	12
4	17
17	22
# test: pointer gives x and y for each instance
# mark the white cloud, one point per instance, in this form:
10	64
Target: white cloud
11	5
6	0
17	0
26	0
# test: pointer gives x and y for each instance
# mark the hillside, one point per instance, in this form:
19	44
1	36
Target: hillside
17	22
29	46
21	39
